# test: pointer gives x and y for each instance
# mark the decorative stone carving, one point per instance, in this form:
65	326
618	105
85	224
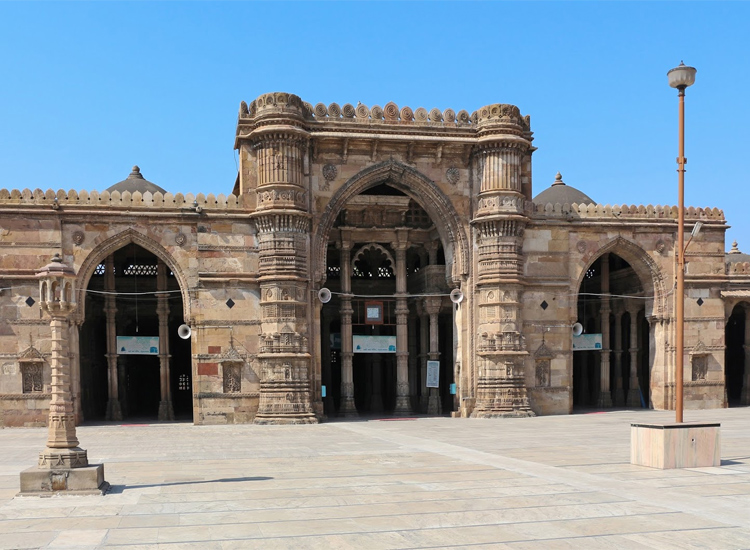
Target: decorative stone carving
449	115
362	112
232	377
78	238
700	367
436	115
180	239
31	376
581	246
453	175
320	111
377	112
420	115
542	373
330	172
334	111
660	247
348	111
406	114
391	112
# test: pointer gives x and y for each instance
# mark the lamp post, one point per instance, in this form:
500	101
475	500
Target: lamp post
680	77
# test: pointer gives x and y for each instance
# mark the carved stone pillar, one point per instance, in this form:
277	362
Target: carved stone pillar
347	406
114	411
432	307
605	395
75	369
619	396
57	463
424	350
413	362
746	378
376	396
502	161
279	142
403	407
634	394
166	411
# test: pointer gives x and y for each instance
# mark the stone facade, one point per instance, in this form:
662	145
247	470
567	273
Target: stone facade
388	208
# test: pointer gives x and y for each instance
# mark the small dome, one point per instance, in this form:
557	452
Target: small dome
563	194
135	182
734	255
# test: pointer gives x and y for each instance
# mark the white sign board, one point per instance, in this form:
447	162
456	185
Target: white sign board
586	342
433	374
373	344
138	345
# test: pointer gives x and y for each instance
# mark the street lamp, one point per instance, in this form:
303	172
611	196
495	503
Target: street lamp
680	77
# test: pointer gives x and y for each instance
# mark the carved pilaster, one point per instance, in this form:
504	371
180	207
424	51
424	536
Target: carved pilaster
283	225
634	397
499	227
166	411
114	412
403	406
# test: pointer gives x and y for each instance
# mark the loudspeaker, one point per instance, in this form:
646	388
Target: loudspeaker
457	296
577	329
184	332
324	295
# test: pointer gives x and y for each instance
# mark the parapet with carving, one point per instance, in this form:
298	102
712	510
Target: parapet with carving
606	211
280	102
147	200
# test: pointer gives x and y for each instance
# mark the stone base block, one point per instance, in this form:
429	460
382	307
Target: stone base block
685	445
88	480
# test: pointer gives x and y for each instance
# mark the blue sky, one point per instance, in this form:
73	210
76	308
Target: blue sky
89	89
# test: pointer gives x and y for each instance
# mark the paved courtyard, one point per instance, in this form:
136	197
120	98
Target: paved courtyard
550	482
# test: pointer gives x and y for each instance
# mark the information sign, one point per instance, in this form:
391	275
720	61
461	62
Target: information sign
138	345
433	374
587	342
373	344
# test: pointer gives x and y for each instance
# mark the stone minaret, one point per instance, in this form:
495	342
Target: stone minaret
502	164
276	148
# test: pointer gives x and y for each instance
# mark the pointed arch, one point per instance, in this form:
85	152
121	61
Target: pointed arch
415	185
116	242
645	268
373	246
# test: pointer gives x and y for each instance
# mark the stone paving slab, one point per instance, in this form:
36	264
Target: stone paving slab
561	482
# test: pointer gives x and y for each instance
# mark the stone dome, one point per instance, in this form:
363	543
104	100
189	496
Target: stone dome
135	182
561	193
735	255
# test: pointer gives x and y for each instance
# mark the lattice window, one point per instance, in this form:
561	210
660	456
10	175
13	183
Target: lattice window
334	271
141	269
232	379
700	367
31	374
100	270
385	272
417	217
183	382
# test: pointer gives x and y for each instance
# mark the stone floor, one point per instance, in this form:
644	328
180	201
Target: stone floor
561	482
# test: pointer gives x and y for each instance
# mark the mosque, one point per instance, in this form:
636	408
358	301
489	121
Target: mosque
366	261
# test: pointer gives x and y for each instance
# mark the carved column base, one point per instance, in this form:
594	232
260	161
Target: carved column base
423	403
166	411
433	403
113	410
403	406
52	459
84	480
745	397
501	397
634	398
619	397
348	408
605	400
285	394
62	431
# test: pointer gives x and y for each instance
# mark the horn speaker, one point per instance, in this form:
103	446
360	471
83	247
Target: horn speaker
577	329
457	296
184	332
324	295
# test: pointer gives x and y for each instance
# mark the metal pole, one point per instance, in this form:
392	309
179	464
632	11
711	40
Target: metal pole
680	291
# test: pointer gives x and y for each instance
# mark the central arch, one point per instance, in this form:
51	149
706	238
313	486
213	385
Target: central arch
417	186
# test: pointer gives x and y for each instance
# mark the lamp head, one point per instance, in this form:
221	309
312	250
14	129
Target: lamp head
696	229
681	76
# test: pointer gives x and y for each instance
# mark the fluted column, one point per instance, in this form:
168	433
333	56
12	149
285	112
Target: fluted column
746	347
166	411
403	407
114	411
347	406
634	395
619	397
605	395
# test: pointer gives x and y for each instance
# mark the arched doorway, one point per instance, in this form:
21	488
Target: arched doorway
390	316
611	358
133	365
735	359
